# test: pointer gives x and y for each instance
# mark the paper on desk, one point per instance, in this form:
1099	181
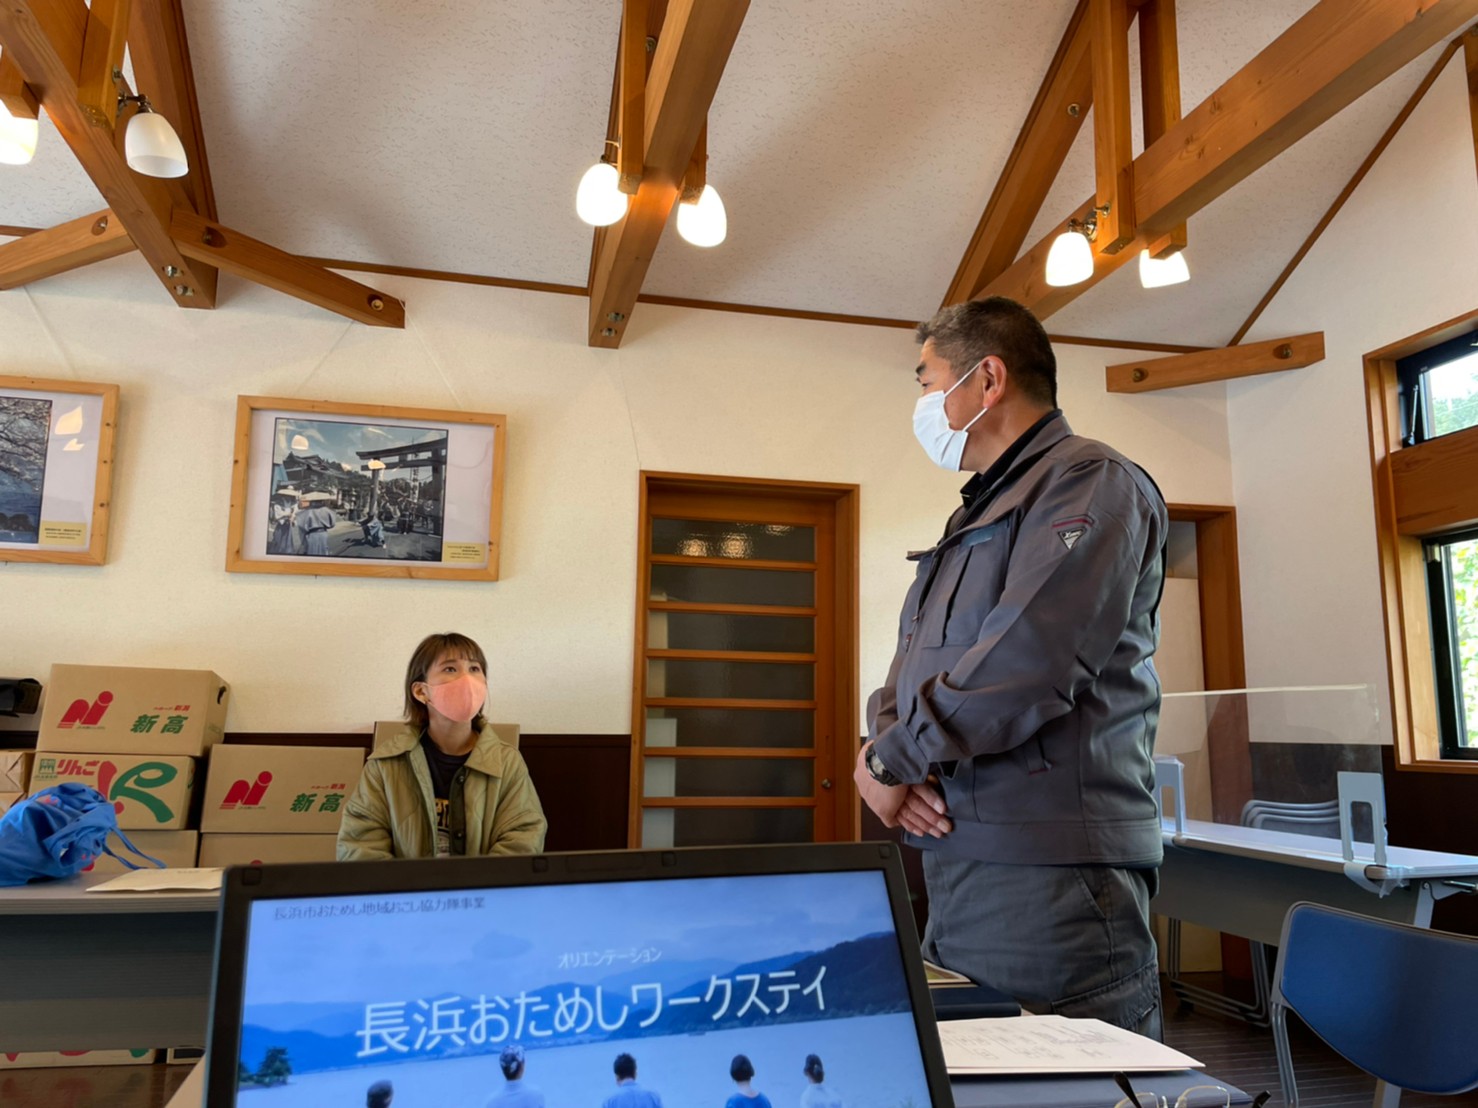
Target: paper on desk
1052	1044
161	880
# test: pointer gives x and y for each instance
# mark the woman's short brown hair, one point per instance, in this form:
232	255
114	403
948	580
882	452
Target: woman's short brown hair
433	647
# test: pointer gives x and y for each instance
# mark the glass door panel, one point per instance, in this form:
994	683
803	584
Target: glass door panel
708	538
787	729
728	777
725	585
663	827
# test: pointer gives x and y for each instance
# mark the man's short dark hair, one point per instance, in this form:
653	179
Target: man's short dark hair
379	1095
741	1068
965	333
625	1067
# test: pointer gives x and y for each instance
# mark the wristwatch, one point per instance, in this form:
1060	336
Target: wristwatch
880	772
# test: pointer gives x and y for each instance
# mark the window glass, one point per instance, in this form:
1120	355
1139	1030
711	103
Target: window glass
1452	395
1439	389
1455	642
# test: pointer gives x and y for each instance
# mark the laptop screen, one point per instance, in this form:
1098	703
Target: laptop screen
750	990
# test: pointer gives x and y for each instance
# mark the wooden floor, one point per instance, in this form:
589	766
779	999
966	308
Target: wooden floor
1244	1057
1232	1051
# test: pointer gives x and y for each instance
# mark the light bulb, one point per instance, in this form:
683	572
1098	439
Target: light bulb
1156	273
17	138
152	148
704	223
599	201
1070	260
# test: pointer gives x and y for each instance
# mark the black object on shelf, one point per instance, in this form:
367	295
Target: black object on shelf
19	696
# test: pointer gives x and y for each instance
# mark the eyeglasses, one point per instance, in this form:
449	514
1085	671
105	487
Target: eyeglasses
1197	1096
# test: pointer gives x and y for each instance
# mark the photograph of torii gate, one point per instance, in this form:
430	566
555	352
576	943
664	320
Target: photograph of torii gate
357	490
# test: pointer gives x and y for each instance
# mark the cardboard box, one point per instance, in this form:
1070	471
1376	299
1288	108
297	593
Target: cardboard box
33	1059
15	770
384	728
296	790
149	792
252	850
176	849
8	801
175	712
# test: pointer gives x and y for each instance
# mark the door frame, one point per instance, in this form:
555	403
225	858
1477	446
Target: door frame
834	753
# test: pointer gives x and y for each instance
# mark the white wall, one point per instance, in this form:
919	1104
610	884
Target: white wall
693	391
1401	256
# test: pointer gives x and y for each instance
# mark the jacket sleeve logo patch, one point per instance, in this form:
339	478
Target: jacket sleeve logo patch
1071	530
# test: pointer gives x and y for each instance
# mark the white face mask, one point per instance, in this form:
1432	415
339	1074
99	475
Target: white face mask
944	445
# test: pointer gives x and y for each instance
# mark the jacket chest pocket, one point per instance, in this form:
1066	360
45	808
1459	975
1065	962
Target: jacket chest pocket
970	584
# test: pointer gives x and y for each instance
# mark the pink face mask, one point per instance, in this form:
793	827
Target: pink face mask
460	699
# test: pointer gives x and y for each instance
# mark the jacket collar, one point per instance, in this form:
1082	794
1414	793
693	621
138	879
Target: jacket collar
486	757
1042	435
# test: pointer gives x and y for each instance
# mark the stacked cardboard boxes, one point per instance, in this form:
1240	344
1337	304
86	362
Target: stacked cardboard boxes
137	736
268	804
15	772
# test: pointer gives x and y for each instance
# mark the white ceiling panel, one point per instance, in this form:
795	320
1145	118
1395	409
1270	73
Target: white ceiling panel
855	145
443	134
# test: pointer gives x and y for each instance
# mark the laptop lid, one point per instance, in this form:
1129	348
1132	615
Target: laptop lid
437	976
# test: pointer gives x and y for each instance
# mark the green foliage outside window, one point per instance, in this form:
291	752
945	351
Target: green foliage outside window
1463	558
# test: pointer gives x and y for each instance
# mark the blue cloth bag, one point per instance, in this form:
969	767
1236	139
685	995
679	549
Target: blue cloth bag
58	832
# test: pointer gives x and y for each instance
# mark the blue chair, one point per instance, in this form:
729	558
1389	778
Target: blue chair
1400	1002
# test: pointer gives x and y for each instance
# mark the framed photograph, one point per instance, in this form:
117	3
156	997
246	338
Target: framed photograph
56	470
359	490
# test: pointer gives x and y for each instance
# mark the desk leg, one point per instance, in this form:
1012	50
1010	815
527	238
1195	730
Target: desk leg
1386	1096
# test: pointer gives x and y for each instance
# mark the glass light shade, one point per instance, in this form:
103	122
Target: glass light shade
17	138
1070	260
152	148
704	223
599	201
1156	273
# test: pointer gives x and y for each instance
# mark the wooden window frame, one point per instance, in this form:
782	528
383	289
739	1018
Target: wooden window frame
1421	492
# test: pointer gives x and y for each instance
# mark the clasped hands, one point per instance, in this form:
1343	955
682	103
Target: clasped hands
918	809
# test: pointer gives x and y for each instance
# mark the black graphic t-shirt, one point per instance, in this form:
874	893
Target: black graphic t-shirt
444	769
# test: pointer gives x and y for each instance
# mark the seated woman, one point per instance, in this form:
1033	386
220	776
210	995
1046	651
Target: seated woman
445	783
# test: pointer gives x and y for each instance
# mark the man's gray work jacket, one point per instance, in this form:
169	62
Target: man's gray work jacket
1023	674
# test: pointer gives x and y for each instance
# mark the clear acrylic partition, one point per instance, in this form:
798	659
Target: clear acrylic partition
1270	758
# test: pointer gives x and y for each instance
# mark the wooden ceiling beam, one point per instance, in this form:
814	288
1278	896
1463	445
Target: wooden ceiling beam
15	95
631	90
102	56
1113	135
1335	53
161	67
1349	190
1220	364
1057	113
1470	58
223	248
46	37
692	50
1159	77
72	245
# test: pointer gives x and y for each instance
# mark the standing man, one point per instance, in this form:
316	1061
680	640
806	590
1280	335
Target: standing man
628	1093
314	522
1014	734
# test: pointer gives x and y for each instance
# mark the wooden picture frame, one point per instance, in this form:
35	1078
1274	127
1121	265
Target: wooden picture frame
56	470
437	515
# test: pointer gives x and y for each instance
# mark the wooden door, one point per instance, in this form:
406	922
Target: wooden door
744	717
